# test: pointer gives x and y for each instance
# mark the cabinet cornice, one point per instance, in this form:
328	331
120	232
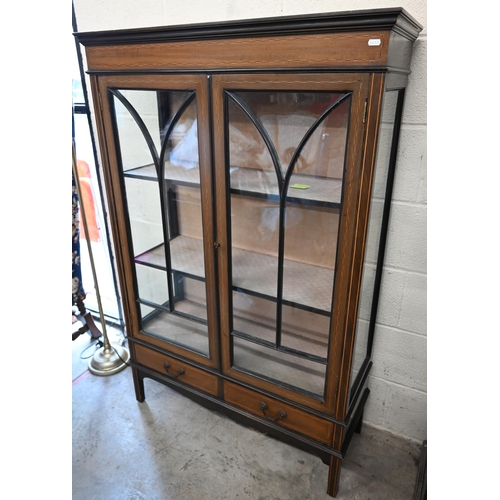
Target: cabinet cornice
390	19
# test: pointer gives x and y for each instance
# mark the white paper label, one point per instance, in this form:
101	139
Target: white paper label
374	42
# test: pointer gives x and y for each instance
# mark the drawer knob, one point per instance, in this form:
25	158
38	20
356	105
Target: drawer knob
281	414
172	375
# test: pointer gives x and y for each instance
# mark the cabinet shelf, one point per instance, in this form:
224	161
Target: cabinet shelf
178	175
304	285
321	191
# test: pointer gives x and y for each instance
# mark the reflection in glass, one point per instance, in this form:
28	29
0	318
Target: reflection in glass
286	162
175	328
152	285
158	146
293	371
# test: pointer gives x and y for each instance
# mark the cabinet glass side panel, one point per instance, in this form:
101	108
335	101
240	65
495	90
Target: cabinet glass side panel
375	223
286	153
156	132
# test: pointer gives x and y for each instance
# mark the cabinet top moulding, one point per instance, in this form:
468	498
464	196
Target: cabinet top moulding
396	19
369	39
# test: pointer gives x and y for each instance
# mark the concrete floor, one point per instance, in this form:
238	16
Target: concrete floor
170	448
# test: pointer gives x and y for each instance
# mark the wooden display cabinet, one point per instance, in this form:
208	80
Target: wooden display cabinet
249	169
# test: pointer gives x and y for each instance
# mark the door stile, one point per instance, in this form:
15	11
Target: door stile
208	217
372	121
222	221
347	232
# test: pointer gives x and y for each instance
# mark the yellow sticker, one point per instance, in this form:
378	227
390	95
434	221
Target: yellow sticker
300	186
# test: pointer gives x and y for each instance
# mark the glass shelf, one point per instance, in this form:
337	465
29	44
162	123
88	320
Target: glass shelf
306	286
313	189
322	191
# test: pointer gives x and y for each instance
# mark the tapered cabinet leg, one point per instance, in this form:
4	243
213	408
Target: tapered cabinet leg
333	476
139	385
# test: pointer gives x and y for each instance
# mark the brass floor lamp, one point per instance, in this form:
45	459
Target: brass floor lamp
110	358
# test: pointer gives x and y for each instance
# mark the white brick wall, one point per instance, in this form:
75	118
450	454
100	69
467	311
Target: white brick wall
398	400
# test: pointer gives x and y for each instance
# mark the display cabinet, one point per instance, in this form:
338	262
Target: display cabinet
249	168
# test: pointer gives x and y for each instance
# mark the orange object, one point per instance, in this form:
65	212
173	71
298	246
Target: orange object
88	203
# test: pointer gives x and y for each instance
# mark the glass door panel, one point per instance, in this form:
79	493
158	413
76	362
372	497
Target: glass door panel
294	372
285	155
156	131
254	224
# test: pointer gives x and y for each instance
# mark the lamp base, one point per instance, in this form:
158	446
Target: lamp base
109	360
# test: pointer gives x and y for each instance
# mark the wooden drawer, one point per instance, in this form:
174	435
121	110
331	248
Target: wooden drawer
269	408
177	370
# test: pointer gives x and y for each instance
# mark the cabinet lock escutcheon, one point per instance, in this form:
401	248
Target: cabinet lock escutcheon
216	245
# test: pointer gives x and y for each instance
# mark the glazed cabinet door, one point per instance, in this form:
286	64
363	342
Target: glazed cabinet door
160	190
288	159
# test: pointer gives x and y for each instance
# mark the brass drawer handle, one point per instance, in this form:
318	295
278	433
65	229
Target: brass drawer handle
179	373
281	414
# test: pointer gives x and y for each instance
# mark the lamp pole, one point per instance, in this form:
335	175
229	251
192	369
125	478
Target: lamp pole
110	358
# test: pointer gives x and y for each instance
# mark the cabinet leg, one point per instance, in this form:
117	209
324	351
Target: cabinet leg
333	476
139	385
